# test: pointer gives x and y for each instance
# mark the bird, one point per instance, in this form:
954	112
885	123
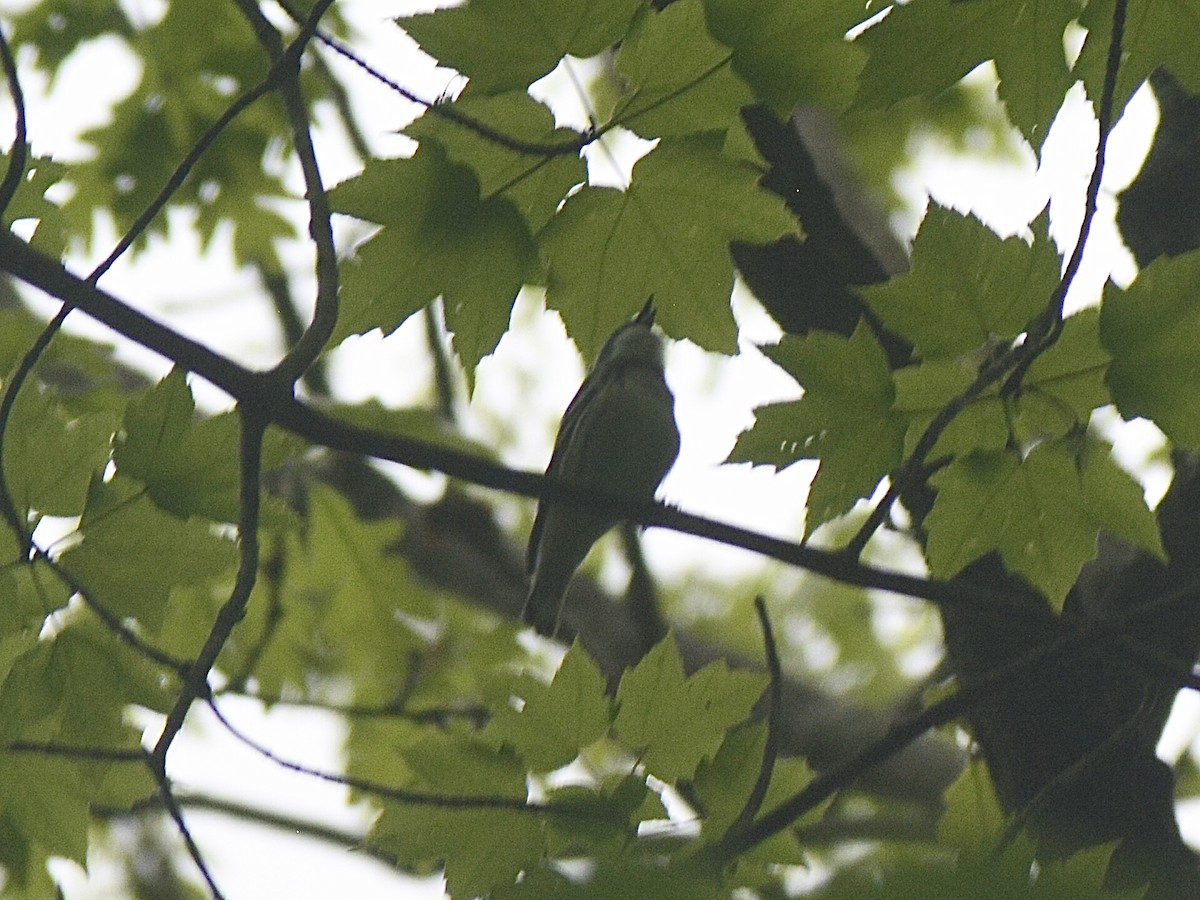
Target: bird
617	435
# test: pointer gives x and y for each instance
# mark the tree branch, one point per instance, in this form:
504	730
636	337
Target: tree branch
196	683
287	64
1013	362
447	111
281	408
18	157
384	791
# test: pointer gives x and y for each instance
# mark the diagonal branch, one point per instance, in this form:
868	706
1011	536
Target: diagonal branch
447	111
1012	363
279	407
167	796
196	683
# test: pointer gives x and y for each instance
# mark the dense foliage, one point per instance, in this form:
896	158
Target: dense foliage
161	559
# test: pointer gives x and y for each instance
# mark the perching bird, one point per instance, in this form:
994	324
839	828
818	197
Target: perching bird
618	435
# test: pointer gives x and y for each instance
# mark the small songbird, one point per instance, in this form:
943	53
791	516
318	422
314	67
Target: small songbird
617	435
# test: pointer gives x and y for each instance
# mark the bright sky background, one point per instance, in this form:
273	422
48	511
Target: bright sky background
200	292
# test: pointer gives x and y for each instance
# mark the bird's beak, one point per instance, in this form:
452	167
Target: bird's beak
646	316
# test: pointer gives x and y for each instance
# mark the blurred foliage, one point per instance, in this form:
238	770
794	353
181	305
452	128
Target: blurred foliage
488	757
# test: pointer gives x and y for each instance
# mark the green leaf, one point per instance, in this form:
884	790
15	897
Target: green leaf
28	592
30	202
1116	501
1150	329
559	720
57	30
346	607
1031	510
98	677
673	722
50	456
848	396
1058	394
47	798
724	782
791	53
1157	33
189	467
1065	384
667	235
185	84
504	46
72	689
923	390
974	818
482	846
534	183
923	49
681	80
439	237
967	287
600	822
132	553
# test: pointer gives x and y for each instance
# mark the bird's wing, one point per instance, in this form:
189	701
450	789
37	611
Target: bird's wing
576	412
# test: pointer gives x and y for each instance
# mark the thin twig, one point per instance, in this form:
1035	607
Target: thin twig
946	710
179	176
341	102
111	620
448	111
18	157
286	62
245	813
94	754
1013	363
8	506
172	806
1050	327
771	746
383	791
443	379
196	683
896	739
474	715
271	575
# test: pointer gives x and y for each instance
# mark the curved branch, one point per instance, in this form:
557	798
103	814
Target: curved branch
1046	332
287	64
387	792
965	698
771	745
18	157
898	736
